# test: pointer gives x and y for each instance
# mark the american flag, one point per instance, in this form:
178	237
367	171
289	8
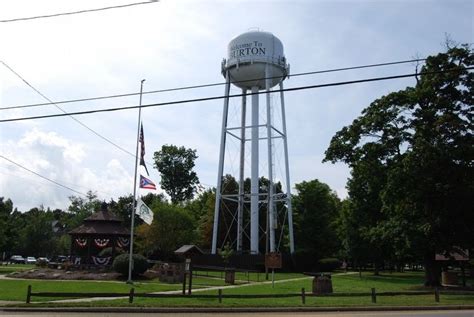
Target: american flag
142	149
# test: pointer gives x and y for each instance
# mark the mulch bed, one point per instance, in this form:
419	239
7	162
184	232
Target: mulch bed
55	274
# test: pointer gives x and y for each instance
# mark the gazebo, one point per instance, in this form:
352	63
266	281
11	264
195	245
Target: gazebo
102	230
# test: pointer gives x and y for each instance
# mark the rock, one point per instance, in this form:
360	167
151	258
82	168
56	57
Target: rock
322	285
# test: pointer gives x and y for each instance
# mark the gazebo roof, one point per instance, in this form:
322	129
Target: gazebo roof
188	249
102	222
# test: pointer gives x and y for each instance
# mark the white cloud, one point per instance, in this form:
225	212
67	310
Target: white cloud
181	43
58	159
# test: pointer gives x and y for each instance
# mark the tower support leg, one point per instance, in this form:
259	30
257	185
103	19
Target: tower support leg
254	181
287	172
215	232
240	209
270	209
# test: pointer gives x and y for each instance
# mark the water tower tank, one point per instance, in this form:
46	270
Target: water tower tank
249	54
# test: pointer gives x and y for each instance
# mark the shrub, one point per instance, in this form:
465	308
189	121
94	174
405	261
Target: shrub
120	265
328	264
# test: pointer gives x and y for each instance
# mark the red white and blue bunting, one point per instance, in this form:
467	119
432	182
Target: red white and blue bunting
101	243
101	260
123	242
81	242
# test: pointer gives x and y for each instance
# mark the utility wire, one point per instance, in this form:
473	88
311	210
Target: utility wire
44	177
66	113
217	84
77	12
40	182
235	95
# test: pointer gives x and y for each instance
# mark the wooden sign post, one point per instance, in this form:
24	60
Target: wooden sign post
273	261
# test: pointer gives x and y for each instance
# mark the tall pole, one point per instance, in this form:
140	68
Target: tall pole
254	184
130	262
221	164
287	170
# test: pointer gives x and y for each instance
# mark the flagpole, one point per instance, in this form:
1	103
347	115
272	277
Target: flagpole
130	262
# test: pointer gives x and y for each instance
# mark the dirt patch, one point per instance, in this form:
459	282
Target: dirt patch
54	274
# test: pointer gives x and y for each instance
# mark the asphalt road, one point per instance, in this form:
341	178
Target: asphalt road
447	313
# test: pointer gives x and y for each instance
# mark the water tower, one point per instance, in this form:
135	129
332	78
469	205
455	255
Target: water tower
255	64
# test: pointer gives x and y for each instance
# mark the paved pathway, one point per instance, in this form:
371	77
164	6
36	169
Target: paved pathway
79	300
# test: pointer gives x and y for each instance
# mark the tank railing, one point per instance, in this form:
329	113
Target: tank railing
280	61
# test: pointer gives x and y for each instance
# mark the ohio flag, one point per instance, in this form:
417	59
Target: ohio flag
146	183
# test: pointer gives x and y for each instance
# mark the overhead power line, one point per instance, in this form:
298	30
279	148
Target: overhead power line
216	84
77	12
233	96
25	177
66	113
44	177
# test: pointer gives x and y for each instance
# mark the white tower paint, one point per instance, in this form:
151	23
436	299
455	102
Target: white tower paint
255	62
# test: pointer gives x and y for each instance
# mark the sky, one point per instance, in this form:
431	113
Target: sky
176	43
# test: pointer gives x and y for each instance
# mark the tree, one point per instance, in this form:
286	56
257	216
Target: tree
37	235
421	138
6	209
81	208
123	209
202	209
176	169
316	208
172	227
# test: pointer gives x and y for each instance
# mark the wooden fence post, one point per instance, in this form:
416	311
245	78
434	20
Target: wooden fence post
130	296
28	294
303	296
190	281
436	295
374	296
220	295
184	283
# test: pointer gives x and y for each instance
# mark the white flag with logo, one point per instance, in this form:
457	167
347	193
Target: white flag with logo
144	212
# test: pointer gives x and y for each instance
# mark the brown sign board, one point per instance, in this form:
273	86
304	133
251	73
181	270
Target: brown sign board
273	260
461	255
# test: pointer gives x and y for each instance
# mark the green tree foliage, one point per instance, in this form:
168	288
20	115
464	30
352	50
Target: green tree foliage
123	209
175	165
81	208
315	208
37	235
411	154
171	228
202	209
6	209
30	233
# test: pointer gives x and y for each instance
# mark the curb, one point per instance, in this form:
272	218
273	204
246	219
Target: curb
229	309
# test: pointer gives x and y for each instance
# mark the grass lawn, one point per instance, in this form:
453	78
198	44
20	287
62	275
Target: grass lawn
341	283
252	276
6	269
15	290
